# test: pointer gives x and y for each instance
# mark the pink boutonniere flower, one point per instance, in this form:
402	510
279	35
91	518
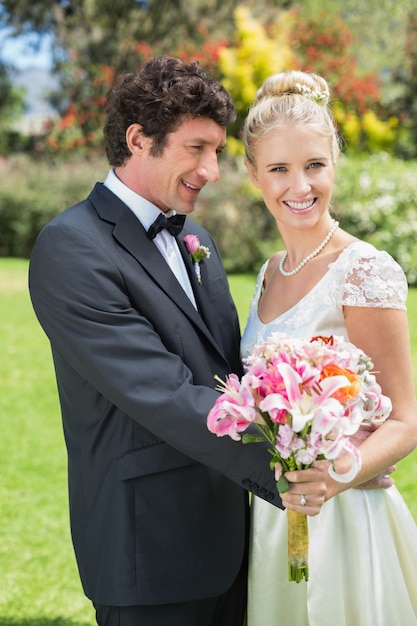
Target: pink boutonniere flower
197	253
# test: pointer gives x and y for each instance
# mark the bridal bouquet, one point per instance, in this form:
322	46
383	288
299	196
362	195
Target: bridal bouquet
305	398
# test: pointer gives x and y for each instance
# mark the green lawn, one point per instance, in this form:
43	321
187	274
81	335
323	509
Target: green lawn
39	583
39	580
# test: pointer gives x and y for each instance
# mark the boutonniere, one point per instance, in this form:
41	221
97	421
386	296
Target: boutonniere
197	253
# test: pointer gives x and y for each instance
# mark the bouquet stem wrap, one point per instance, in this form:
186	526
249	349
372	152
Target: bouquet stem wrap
297	546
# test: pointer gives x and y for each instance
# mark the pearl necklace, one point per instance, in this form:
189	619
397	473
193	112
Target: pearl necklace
309	256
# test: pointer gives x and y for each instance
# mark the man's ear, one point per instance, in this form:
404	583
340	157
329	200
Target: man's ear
135	139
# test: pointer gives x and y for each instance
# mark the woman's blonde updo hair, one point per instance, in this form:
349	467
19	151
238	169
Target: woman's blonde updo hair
291	97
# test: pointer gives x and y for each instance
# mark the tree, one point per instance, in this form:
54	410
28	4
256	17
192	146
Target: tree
378	27
105	32
11	109
406	80
324	43
98	37
258	49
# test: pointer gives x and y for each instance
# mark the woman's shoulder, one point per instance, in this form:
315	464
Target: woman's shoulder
270	265
260	279
360	253
371	277
358	247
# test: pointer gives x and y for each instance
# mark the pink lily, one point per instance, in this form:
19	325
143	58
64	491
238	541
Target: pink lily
302	403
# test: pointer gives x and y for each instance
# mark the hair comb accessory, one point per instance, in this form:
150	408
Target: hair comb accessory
318	96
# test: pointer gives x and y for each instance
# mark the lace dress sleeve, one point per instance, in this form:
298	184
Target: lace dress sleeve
374	279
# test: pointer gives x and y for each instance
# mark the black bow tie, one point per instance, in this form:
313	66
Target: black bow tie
173	225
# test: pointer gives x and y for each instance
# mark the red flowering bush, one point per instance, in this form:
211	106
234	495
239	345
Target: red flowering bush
323	44
81	125
320	43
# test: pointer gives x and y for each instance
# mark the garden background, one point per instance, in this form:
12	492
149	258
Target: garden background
367	51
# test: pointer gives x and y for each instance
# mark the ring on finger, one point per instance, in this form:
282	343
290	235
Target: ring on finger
303	500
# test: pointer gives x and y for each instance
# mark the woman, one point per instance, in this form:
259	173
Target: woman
363	543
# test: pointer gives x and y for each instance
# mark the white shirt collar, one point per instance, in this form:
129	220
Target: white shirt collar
145	211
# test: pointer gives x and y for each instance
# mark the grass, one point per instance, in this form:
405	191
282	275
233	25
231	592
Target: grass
39	580
39	584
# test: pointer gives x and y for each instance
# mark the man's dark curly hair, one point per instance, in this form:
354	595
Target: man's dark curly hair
159	97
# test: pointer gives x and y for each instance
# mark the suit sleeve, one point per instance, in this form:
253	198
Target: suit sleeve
140	363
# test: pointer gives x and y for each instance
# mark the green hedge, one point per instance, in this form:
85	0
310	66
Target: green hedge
374	199
33	191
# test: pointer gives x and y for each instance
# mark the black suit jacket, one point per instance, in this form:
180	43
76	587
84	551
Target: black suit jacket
158	512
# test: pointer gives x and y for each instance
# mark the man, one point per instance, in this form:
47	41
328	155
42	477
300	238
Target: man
157	504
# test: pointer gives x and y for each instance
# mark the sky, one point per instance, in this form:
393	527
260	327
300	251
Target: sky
33	74
19	53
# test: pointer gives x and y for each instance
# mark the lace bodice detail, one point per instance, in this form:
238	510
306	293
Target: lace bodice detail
361	276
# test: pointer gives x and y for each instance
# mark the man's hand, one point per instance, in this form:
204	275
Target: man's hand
383	481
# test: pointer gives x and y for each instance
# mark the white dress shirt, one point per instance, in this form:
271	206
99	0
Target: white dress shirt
146	212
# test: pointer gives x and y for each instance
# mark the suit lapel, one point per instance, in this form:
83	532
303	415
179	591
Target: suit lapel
132	236
201	292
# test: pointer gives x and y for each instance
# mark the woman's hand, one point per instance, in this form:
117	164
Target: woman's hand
314	486
307	490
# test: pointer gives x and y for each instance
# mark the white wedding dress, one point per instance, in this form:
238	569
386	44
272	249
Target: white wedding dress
363	544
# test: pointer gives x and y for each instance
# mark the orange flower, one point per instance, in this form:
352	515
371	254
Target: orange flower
344	393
